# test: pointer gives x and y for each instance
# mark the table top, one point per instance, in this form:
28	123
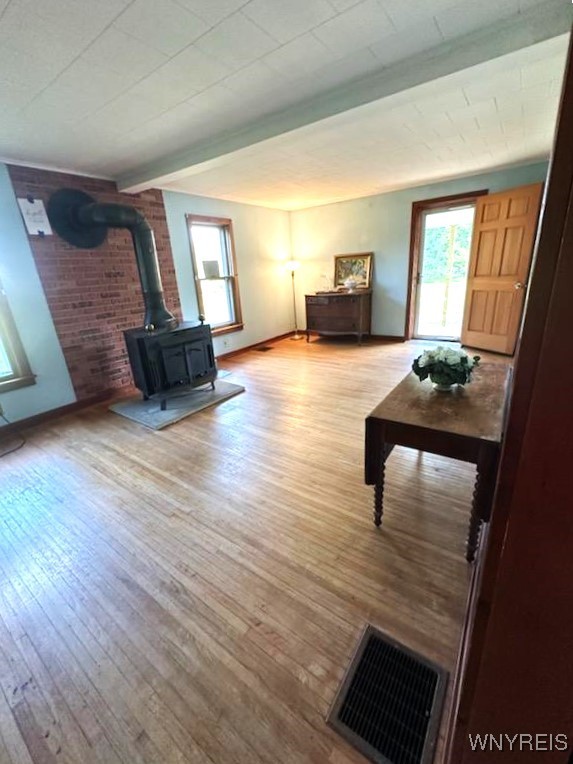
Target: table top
473	411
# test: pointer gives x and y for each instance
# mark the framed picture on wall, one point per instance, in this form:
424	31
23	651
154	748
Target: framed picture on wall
356	266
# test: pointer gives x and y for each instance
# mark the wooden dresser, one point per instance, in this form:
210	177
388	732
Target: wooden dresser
339	313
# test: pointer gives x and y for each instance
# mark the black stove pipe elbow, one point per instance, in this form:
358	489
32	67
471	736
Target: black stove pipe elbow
122	216
81	221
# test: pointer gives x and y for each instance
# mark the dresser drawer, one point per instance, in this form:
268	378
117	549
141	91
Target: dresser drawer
329	299
332	324
345	309
317	299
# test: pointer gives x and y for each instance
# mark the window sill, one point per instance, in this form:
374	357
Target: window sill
227	329
16	382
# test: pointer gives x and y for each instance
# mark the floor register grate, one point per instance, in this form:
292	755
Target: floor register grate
390	702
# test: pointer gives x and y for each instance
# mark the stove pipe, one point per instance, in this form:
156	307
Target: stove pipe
82	221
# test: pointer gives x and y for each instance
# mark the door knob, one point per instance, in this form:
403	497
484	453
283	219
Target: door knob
519	285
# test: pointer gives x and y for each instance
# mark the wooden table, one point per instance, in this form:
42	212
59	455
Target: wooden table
465	424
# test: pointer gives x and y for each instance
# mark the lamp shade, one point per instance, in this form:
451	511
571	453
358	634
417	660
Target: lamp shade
292	265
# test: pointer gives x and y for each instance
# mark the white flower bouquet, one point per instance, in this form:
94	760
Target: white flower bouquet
445	366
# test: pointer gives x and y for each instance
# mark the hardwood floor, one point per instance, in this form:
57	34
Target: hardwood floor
195	594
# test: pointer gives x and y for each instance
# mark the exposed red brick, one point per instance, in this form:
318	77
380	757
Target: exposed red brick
94	295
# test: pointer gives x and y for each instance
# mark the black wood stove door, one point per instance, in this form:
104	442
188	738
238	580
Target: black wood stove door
175	365
199	361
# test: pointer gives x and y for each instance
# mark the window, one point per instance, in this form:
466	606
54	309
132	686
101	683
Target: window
14	367
216	280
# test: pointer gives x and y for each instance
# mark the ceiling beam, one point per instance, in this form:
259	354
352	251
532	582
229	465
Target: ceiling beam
538	23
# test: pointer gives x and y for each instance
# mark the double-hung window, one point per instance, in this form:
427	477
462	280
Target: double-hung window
14	367
216	281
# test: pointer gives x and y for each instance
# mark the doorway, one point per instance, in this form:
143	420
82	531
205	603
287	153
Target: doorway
442	278
439	259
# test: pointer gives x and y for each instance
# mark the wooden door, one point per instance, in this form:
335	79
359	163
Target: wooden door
502	246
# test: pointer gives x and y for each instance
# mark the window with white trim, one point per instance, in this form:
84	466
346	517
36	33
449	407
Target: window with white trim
14	367
216	280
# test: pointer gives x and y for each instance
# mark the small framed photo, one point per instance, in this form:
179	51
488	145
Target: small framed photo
357	267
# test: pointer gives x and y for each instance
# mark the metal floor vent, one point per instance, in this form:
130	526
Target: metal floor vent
389	705
264	348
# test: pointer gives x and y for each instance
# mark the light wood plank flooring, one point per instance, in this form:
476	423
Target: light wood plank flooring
194	595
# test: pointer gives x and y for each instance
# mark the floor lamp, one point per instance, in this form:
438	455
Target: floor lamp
292	266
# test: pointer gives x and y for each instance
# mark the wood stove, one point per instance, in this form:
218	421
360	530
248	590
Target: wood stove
168	360
165	357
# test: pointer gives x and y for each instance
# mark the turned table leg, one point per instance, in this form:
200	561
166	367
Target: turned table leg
473	534
376	452
379	496
482	499
385	452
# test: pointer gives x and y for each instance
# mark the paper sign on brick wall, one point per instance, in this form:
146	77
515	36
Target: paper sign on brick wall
35	217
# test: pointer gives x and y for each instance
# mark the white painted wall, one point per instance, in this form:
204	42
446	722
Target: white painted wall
380	224
23	288
262	244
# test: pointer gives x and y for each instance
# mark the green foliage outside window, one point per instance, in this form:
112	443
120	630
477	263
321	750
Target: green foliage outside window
436	264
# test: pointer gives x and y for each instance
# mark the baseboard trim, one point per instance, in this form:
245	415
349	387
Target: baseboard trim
247	348
365	338
46	416
388	337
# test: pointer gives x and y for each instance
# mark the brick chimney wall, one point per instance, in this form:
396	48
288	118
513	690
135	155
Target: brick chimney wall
94	295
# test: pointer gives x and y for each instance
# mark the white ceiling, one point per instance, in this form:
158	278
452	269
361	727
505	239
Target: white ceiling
109	87
492	115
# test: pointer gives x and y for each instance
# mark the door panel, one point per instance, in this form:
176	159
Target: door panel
511	252
502	313
491	211
502	247
487	241
478	312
